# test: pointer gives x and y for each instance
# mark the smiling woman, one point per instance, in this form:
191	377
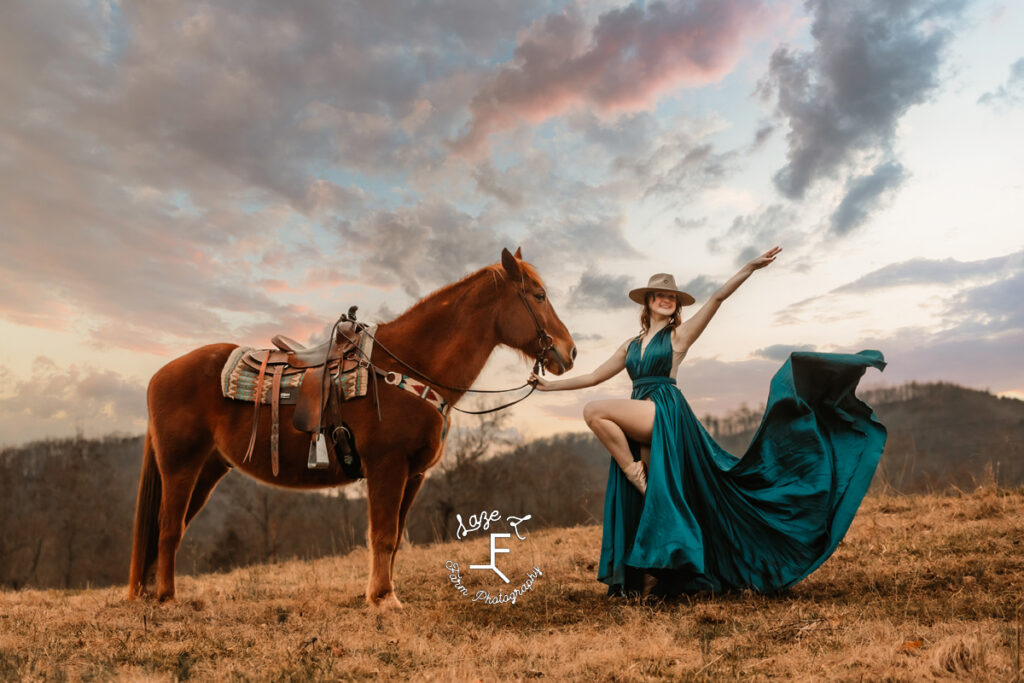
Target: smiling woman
706	519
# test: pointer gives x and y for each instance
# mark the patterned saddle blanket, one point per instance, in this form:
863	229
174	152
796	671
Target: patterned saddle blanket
306	378
241	373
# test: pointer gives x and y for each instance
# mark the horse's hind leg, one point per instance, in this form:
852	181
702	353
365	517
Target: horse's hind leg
180	467
213	471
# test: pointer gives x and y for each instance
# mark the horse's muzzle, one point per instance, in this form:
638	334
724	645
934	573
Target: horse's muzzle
556	364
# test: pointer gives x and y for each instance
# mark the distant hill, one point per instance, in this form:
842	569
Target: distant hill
943	435
940	435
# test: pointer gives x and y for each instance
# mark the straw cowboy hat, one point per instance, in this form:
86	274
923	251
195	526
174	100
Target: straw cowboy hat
661	282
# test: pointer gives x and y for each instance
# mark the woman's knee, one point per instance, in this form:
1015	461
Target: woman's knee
592	412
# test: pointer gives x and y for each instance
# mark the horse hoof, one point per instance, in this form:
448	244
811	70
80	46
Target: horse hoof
386	603
140	593
390	603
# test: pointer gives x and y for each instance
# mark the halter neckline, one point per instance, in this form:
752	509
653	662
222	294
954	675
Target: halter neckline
643	349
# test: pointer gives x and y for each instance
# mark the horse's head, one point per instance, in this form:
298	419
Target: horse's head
525	319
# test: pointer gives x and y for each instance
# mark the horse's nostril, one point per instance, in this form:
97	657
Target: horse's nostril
572	354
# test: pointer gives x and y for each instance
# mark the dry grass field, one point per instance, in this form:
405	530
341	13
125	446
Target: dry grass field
923	588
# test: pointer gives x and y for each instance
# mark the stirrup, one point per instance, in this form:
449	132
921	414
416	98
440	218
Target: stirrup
318	459
637	476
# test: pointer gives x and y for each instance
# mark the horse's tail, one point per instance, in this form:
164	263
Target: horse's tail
147	520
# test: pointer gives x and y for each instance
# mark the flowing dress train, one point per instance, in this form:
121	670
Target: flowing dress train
712	521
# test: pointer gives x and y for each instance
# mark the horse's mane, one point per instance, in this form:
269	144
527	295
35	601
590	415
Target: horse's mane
496	271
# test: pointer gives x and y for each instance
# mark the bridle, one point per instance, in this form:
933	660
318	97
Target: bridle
545	339
546	344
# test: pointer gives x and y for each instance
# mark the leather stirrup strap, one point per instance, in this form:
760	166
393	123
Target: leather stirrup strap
256	407
275	427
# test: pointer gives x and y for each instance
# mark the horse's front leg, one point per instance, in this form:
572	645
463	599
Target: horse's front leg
412	487
385	489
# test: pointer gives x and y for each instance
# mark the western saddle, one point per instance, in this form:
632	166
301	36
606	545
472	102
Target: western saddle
313	372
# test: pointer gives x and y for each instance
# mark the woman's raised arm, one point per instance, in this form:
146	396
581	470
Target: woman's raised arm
607	370
688	332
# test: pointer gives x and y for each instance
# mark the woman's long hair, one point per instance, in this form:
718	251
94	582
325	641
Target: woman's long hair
645	317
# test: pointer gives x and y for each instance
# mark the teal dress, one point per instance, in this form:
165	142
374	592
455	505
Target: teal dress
714	522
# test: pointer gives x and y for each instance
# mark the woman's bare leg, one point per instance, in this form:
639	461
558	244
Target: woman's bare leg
612	421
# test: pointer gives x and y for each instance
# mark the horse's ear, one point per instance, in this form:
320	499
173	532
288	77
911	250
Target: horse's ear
511	266
519	253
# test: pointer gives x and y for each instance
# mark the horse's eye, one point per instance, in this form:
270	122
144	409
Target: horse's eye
539	296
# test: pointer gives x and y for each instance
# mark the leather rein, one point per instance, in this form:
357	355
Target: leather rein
546	345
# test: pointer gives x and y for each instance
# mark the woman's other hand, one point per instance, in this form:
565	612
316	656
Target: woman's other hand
764	259
539	382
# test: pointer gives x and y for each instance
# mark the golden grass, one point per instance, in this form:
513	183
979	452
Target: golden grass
923	588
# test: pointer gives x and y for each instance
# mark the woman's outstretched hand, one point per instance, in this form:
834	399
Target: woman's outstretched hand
540	383
765	258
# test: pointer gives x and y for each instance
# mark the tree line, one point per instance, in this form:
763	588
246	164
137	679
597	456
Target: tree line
67	506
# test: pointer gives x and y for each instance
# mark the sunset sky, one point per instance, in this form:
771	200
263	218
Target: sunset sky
176	174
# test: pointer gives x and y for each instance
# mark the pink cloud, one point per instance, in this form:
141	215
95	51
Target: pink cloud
274	285
629	58
26	305
317	278
297	322
124	335
313	279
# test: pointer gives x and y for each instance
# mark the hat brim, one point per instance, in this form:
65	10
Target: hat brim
638	295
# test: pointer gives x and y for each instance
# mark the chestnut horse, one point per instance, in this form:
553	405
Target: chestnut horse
195	435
